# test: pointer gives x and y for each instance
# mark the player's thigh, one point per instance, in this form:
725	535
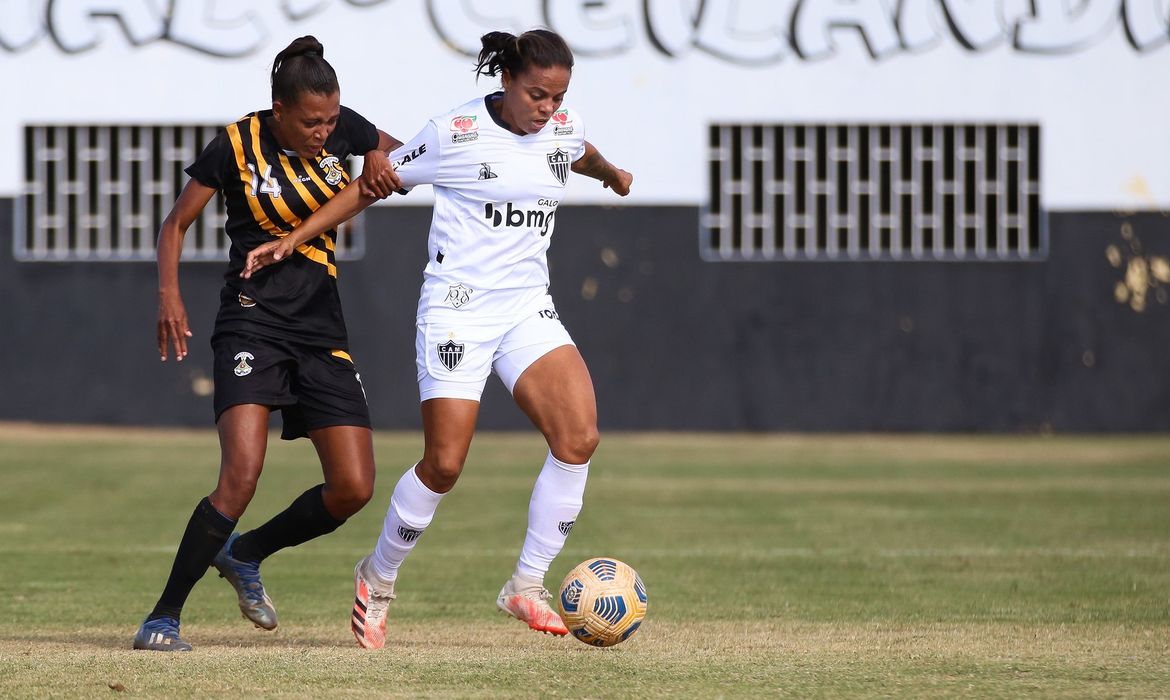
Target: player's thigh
556	393
448	427
347	456
539	363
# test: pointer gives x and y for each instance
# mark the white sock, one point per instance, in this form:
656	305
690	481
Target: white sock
411	508
556	501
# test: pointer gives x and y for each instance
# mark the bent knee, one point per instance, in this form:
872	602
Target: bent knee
345	502
439	474
577	447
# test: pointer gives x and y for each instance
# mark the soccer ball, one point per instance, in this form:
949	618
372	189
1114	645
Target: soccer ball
603	601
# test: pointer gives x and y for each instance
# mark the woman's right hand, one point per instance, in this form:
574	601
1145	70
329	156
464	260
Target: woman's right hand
172	325
270	253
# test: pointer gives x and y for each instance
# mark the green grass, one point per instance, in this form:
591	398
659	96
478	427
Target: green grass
793	566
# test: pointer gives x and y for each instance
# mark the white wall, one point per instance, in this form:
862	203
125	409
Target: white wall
649	77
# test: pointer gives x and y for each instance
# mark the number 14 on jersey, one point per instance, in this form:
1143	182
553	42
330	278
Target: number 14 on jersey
268	185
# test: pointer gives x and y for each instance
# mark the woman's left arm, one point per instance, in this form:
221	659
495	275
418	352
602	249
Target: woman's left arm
593	164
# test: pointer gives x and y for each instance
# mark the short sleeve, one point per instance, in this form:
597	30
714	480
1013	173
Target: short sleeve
417	160
208	168
357	131
579	133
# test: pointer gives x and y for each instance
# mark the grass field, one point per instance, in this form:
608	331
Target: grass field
793	566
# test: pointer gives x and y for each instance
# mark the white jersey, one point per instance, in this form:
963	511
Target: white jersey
496	197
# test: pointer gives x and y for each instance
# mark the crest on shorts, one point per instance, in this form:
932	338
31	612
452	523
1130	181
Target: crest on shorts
450	353
558	163
566	526
458	295
243	369
332	168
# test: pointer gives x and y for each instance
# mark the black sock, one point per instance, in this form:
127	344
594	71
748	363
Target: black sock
303	520
206	532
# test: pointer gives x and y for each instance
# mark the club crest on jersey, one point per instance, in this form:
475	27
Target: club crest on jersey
333	170
485	172
562	123
464	128
243	369
450	353
558	163
458	295
246	301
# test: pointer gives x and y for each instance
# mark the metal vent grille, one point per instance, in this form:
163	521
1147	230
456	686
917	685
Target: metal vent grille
100	193
874	192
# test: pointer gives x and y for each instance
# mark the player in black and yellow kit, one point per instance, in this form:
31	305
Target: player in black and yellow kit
280	340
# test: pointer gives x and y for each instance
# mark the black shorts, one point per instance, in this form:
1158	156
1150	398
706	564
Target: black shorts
312	387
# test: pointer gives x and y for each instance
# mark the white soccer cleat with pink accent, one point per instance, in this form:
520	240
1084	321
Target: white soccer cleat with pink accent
371	604
527	600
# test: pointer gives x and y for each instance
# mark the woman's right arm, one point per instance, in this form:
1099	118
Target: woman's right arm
415	163
173	328
341	208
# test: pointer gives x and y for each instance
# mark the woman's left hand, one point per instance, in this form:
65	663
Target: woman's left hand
378	178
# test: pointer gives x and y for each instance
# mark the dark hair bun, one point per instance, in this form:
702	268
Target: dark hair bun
301	67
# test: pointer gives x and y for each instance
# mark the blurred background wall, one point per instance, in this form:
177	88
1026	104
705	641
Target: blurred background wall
867	215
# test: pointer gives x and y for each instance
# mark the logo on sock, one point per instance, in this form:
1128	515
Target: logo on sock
408	534
566	526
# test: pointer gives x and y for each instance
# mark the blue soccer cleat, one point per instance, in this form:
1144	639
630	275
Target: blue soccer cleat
161	634
245	578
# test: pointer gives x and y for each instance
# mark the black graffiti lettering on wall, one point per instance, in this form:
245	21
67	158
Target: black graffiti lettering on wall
741	32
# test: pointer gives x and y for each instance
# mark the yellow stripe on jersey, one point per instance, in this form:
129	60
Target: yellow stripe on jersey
343	355
317	255
262	165
309	200
233	131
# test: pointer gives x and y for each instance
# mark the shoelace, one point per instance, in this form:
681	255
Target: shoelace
379	601
249	574
166	626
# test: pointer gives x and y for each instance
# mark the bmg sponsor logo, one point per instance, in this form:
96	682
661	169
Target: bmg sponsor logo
512	216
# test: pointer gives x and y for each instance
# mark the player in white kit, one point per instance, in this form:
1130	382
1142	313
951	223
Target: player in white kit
499	165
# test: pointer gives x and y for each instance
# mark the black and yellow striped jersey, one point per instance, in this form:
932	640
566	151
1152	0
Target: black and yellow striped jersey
267	192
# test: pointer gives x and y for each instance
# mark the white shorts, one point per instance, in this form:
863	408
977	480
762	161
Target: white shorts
454	359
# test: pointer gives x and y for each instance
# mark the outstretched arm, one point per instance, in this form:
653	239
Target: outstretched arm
596	166
173	328
344	206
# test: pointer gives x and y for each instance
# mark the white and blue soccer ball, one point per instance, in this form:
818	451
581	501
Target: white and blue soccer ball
603	601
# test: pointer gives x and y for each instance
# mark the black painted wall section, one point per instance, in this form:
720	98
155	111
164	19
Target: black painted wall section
672	342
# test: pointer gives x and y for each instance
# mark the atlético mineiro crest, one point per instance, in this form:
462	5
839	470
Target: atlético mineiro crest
243	369
558	163
566	526
332	168
408	534
458	295
450	353
485	172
